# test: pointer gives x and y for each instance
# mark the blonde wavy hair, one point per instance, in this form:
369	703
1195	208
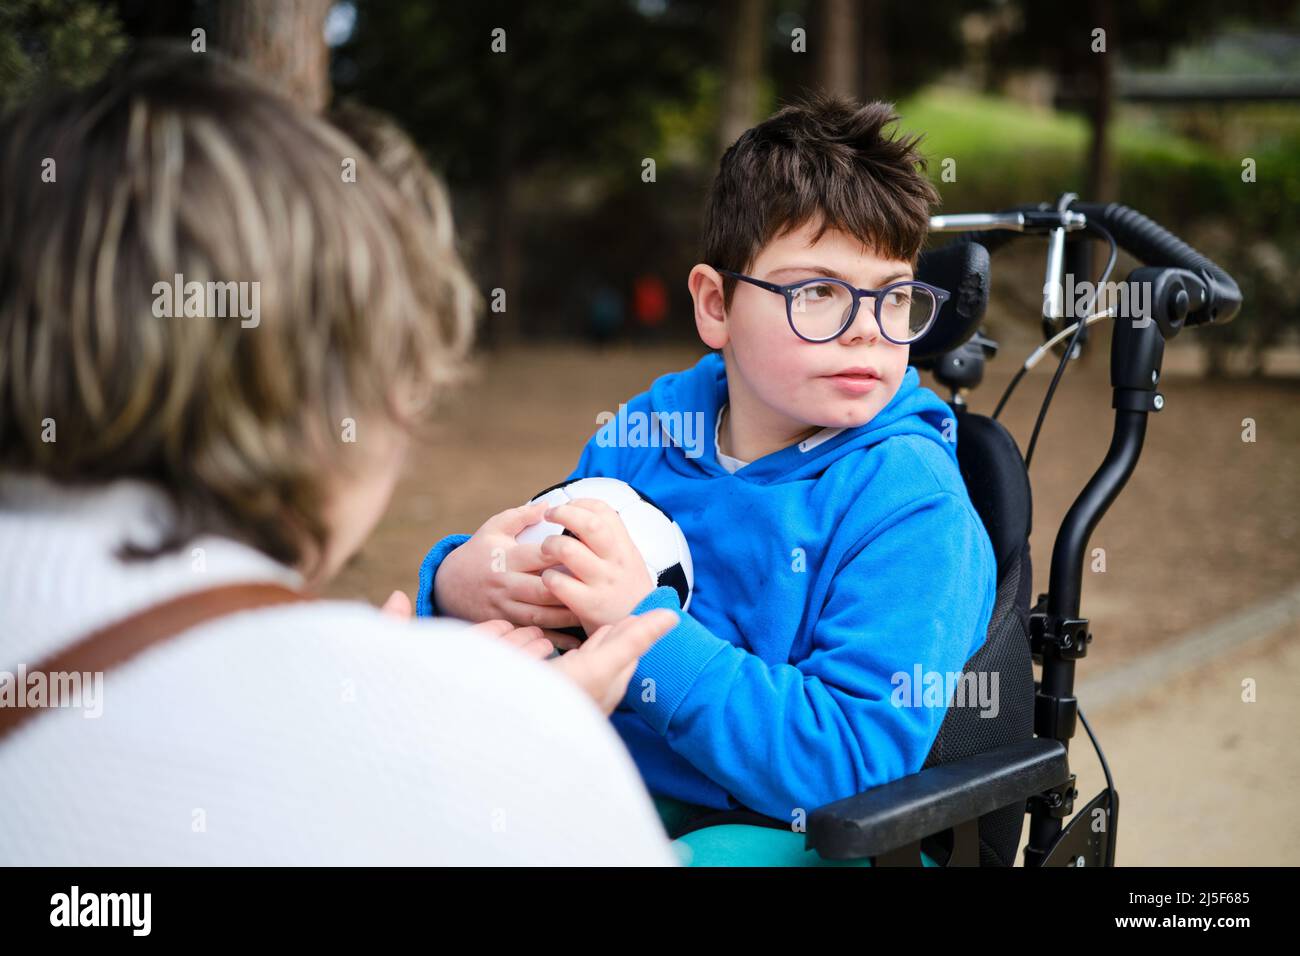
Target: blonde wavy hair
179	163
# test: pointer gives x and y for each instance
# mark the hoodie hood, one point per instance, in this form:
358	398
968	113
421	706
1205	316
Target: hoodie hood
695	395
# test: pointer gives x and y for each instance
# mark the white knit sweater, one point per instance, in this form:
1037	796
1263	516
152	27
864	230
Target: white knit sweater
303	734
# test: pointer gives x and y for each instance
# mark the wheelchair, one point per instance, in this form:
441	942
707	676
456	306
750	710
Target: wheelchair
966	806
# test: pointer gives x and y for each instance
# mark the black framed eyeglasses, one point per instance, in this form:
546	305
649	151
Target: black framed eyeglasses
822	309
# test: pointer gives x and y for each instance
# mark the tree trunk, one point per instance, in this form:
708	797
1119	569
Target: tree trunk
1216	359
742	69
874	52
502	329
838	65
283	42
1101	174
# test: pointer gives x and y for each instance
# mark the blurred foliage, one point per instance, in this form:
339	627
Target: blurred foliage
596	83
1059	36
52	44
578	83
1006	154
545	144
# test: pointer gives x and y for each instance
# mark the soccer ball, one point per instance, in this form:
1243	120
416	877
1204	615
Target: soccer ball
656	535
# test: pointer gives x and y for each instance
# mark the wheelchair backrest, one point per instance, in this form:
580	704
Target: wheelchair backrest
998	484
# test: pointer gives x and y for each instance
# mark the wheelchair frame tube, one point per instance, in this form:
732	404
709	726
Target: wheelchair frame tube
1136	352
1066	583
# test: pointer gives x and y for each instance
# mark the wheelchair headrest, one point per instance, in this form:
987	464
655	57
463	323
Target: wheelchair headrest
963	269
998	484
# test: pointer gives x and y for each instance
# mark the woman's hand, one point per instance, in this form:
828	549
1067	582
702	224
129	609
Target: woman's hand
399	606
533	641
607	576
491	576
606	661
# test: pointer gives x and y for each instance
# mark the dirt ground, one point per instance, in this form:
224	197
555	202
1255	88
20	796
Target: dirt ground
1205	778
1207	526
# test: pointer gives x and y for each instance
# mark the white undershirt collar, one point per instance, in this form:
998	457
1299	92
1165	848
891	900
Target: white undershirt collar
733	465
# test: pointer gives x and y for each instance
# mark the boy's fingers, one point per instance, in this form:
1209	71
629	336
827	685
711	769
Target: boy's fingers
526	558
571	591
533	614
591	526
529	589
514	520
529	558
595	506
581	561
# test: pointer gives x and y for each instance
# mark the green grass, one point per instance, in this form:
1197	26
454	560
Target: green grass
1007	152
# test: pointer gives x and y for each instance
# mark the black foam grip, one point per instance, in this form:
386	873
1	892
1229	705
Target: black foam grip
1155	245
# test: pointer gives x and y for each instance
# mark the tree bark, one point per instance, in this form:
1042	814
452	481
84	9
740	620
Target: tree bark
873	50
281	41
838	66
742	69
1101	175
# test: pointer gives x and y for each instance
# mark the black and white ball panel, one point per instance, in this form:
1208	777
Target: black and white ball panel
659	539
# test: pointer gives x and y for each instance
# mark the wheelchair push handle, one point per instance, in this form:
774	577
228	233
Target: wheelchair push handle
1155	245
1137	234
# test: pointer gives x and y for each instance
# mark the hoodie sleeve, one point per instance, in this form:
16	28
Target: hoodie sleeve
424	603
916	592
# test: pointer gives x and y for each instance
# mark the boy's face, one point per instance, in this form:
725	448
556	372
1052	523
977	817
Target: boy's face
800	383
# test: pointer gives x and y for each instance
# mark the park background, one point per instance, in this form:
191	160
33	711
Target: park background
1184	110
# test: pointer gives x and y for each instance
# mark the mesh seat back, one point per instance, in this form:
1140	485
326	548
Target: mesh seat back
998	484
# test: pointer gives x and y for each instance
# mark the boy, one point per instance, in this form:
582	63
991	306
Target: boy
835	547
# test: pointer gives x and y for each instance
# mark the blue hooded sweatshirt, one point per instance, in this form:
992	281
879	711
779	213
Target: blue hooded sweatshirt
836	583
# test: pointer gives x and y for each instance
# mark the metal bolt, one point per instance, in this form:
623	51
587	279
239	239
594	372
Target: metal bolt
1079	861
1155	376
1160	402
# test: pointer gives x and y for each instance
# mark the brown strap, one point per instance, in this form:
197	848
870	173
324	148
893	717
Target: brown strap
122	640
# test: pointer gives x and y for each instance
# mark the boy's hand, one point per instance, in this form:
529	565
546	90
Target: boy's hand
603	665
491	576
607	576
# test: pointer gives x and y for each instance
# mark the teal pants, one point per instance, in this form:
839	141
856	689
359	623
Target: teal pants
733	844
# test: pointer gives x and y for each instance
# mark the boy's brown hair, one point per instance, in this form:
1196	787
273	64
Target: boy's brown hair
828	160
180	163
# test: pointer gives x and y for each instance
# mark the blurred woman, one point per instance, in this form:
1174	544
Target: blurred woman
219	321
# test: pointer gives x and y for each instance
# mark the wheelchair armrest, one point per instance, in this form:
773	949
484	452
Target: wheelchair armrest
907	810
